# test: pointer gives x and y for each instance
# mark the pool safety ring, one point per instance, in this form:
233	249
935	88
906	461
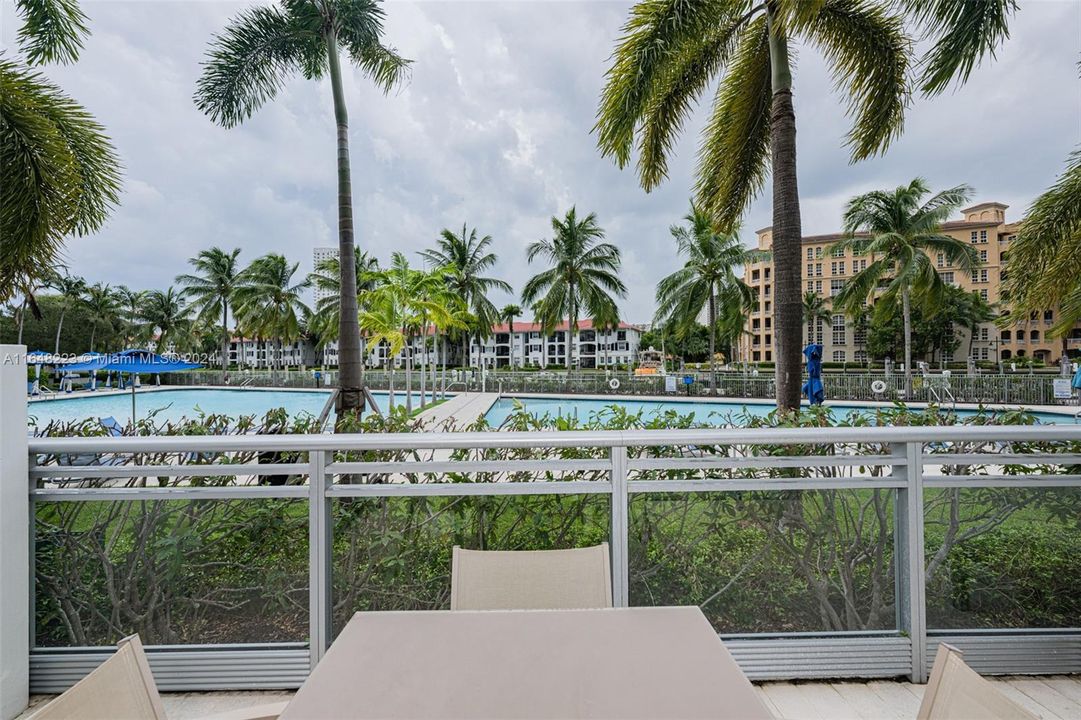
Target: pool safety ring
614	383
878	387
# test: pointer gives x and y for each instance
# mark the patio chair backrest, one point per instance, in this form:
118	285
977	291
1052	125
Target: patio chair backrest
111	426
531	579
957	692
121	688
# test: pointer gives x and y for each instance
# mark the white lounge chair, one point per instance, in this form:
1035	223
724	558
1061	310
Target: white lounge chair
957	692
123	688
531	579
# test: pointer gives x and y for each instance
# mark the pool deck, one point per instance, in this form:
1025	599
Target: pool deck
1048	697
464	409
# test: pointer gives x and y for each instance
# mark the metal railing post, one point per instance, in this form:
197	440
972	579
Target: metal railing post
909	554
31	544
320	529
620	530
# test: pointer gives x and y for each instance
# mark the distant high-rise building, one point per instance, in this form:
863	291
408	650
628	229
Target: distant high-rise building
319	254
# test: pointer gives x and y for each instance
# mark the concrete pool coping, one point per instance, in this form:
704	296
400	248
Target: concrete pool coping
1069	411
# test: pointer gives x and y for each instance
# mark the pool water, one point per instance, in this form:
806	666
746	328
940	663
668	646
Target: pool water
715	412
176	404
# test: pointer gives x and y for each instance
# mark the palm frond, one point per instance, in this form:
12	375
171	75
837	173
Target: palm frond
732	155
868	51
964	33
51	31
250	61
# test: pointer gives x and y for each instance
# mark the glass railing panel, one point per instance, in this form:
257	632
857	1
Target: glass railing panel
174	571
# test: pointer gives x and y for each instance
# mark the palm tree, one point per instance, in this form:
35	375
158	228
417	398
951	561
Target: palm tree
267	301
167	315
211	289
327	279
816	309
604	322
60	173
507	315
667	58
402	304
706	281
132	301
898	232
70	289
102	307
463	259
583	275
248	64
1047	253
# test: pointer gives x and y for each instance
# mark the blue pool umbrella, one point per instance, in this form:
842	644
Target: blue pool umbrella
133	362
813	387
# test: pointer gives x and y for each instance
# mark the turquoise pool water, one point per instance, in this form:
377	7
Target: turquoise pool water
716	412
175	404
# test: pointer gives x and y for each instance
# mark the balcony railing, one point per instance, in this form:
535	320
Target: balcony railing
830	552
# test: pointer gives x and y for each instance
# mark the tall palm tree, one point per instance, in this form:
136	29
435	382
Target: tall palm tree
507	314
249	62
102	307
463	259
267	301
667	58
70	289
583	275
211	289
167	315
59	171
326	318
898	230
706	281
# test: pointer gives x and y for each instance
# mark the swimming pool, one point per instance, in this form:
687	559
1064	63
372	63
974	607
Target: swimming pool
711	412
172	405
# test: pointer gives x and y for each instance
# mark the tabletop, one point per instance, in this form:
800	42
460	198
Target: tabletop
657	662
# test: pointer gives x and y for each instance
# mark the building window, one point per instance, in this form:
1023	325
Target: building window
766	293
983	276
835	286
1006	336
755	323
818	269
983	294
755	275
839	356
1048	317
837	268
972	237
1034	336
983	236
839	335
818	253
940	260
810	254
947	277
818	286
769	356
768	305
810	269
838	252
766	271
860	356
983	256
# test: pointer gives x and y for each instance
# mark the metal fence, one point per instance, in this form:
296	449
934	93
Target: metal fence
1015	388
892	471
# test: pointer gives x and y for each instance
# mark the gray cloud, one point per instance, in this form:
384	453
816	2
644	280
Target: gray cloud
494	129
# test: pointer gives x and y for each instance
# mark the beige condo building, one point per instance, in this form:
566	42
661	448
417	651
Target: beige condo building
825	272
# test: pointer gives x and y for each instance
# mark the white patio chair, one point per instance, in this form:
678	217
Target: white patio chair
957	692
531	579
123	688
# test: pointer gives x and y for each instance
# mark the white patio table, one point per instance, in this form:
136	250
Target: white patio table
664	662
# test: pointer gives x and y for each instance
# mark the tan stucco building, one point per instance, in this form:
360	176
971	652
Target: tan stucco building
825	272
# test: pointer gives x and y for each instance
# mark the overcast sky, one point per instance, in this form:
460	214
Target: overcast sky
493	129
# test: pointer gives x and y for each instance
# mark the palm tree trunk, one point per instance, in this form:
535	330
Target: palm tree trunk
224	336
93	333
787	233
350	380
408	375
22	321
59	326
906	312
712	341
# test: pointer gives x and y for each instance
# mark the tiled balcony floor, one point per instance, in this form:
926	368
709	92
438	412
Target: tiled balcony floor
1048	697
